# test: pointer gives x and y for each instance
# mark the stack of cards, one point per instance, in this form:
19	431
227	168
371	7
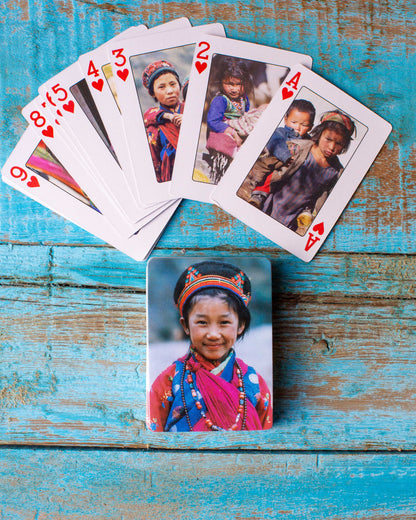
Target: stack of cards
219	309
155	115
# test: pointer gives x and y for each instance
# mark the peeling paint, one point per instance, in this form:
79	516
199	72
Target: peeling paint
16	391
327	345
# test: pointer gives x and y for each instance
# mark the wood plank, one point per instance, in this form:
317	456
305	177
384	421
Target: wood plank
72	309
354	275
78	485
356	231
344	372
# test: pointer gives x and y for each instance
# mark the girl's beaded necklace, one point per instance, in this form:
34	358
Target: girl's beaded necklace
242	406
238	103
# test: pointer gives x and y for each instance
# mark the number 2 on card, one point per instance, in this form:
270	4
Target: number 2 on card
202	55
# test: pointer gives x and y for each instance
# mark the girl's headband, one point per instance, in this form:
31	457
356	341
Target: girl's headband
196	281
338	117
154	69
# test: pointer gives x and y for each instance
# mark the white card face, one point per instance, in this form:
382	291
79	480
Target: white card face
98	73
296	201
152	125
35	172
230	85
68	92
56	139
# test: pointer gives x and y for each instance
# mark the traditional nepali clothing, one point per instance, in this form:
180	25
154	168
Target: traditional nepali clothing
217	391
222	109
163	139
45	164
221	146
300	187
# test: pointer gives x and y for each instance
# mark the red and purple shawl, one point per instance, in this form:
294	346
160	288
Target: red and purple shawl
218	394
163	137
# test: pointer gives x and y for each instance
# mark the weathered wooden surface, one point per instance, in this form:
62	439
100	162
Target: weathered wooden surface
367	48
72	309
79	485
344	373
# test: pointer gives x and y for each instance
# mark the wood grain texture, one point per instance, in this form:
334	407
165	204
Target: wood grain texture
358	276
344	373
131	485
72	309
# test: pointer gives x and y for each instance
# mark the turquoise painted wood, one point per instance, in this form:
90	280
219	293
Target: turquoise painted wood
353	275
74	484
72	309
344	374
361	47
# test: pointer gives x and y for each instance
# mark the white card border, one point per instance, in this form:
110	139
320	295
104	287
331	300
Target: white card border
358	165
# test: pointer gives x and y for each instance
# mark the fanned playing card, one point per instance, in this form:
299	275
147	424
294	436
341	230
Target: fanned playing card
231	84
293	188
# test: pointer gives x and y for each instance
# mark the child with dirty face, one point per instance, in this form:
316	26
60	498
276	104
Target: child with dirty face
299	120
298	194
230	103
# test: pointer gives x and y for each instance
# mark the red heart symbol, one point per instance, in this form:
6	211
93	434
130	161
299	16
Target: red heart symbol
200	66
33	182
98	85
122	74
286	93
48	131
69	107
319	228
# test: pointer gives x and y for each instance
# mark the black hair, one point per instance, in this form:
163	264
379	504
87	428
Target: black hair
303	106
234	302
185	89
229	66
337	127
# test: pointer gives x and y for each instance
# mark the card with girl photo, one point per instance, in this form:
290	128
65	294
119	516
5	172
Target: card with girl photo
302	163
231	84
209	360
150	77
98	73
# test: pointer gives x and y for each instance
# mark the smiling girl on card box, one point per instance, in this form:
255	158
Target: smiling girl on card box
210	388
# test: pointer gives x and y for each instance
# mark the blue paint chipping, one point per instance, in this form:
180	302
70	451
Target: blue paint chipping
73	442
